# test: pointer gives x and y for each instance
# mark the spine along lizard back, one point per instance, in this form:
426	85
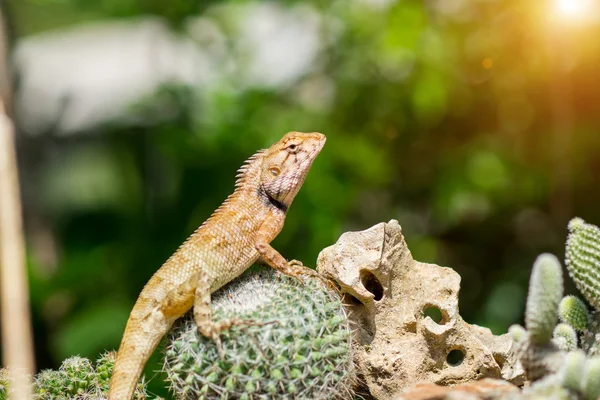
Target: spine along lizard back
231	240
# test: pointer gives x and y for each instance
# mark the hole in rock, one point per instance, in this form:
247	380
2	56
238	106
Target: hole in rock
350	300
499	360
372	284
455	357
434	313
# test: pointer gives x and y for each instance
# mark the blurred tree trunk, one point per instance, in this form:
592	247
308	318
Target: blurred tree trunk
17	338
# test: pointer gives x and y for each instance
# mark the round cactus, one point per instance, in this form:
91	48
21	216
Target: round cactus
74	378
583	259
565	337
299	349
545	292
572	311
591	379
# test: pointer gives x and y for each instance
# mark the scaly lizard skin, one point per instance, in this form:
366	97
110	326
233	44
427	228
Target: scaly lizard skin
231	240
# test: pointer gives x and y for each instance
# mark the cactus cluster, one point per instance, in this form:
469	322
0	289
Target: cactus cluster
296	346
76	379
79	379
549	352
577	379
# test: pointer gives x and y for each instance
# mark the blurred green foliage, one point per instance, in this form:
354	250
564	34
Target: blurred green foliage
472	123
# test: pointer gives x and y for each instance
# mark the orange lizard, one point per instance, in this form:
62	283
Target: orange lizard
231	240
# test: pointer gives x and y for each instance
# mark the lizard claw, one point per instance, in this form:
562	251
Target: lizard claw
295	263
297	269
214	329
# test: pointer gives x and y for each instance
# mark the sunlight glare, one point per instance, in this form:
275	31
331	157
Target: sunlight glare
573	8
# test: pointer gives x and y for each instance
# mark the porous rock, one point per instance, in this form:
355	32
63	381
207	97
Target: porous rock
485	389
389	297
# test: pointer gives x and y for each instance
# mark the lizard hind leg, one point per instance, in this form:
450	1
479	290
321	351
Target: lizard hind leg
203	315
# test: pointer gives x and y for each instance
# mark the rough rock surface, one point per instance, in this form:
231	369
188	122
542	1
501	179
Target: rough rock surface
485	389
405	313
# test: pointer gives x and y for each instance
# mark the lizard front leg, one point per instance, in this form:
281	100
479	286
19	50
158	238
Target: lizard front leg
272	257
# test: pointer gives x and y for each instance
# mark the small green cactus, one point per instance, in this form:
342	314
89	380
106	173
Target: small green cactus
300	349
572	311
5	383
74	378
565	337
517	333
583	259
79	379
545	292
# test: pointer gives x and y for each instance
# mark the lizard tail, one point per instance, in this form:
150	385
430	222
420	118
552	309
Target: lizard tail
139	341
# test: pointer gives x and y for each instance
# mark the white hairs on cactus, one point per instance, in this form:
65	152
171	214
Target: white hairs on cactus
591	379
517	333
304	354
565	337
572	311
583	259
573	370
545	293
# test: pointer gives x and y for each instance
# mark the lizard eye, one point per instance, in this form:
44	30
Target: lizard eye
292	148
274	171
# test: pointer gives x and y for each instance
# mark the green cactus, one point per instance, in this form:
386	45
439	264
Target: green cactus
573	311
74	378
104	368
5	382
300	349
549	388
517	333
545	292
573	369
565	337
557	368
583	259
79	379
591	379
540	361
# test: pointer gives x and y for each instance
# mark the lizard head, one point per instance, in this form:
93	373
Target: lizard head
286	164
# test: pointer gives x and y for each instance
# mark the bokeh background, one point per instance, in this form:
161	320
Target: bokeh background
472	122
